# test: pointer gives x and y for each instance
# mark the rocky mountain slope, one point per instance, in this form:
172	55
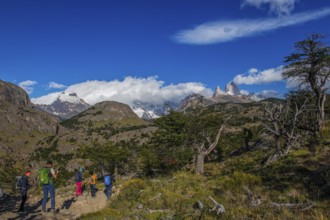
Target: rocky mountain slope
26	128
232	94
110	111
13	94
21	123
105	121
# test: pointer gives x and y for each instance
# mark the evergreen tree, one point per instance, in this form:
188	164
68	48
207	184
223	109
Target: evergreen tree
310	67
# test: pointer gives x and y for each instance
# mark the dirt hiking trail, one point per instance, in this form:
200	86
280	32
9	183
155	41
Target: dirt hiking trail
67	207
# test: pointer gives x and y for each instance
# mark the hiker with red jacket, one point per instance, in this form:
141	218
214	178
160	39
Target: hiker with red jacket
24	181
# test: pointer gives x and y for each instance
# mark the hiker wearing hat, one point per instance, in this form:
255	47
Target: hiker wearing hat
79	179
25	186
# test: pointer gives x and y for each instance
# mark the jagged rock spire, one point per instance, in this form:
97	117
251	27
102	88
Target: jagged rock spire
232	89
217	92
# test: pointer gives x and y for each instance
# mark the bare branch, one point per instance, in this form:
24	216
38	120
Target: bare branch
218	208
294	206
158	210
214	144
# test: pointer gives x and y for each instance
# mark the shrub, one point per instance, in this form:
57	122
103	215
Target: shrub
238	180
131	189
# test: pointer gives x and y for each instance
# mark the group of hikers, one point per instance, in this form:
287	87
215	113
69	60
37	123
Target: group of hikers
91	181
47	175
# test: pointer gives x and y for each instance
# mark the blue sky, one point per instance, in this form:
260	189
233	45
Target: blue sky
162	49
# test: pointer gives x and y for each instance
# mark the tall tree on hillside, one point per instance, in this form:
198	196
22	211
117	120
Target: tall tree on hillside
310	66
109	156
181	138
169	150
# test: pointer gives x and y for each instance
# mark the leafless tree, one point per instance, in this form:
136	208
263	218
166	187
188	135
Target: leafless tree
282	122
203	151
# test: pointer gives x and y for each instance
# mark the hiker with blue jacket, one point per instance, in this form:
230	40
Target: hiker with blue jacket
24	181
108	185
79	179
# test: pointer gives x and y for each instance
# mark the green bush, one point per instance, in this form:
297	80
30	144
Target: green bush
238	180
131	189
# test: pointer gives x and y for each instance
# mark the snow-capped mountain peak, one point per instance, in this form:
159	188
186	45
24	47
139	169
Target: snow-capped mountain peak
67	105
151	111
70	97
232	89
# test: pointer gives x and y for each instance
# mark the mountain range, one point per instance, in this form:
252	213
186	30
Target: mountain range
68	105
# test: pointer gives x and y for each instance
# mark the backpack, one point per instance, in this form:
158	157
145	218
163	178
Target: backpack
107	180
78	177
44	176
18	184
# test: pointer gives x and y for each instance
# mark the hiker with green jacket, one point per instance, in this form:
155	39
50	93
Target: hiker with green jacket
48	185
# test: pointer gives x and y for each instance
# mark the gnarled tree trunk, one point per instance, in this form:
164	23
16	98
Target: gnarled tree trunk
202	152
199	169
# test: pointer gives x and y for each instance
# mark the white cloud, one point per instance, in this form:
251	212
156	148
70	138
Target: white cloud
253	70
47	99
279	7
129	90
54	85
268	94
264	94
28	85
244	92
223	31
263	77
